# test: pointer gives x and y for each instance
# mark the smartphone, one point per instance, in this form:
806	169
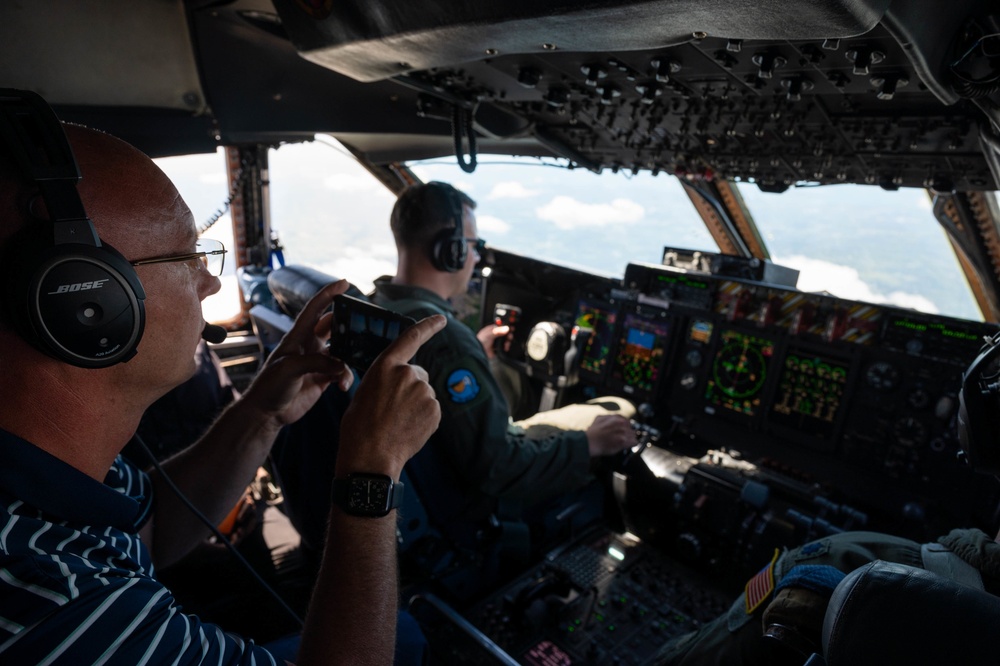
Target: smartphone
362	330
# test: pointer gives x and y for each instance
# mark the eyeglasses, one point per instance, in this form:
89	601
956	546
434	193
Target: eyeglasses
478	243
211	253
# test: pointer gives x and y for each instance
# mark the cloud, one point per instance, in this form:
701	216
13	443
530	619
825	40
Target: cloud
568	213
362	266
487	224
511	189
350	182
845	282
214	178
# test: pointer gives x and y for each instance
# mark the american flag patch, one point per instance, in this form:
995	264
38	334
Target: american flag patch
760	586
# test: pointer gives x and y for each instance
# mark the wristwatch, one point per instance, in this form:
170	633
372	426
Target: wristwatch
367	495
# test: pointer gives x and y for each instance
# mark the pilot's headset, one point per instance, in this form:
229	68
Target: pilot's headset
67	293
979	409
449	249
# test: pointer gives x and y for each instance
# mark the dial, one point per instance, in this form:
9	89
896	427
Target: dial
688	381
918	398
882	376
910	432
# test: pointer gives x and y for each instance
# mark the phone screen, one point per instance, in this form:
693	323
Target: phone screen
362	330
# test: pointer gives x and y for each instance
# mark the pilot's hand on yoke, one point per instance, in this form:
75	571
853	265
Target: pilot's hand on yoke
609	434
394	411
488	335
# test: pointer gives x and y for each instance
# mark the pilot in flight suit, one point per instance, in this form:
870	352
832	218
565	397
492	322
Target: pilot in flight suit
481	467
794	589
483	456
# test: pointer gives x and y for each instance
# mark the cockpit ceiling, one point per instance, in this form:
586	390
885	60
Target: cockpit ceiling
777	92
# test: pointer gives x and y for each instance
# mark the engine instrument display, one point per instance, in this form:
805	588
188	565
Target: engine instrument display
600	319
810	393
739	372
641	350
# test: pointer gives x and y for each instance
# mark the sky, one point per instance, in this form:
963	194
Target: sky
856	242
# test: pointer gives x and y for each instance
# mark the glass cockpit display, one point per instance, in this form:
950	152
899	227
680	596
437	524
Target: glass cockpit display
599	318
810	393
739	371
640	354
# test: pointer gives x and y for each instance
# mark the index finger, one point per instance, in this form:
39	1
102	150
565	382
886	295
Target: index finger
321	300
409	341
311	311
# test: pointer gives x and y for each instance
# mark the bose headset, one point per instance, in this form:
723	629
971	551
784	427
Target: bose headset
979	409
70	295
449	249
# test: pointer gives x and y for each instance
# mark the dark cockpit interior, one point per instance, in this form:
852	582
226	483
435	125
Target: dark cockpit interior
766	416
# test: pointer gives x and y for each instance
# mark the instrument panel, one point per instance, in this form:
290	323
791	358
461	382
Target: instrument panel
855	399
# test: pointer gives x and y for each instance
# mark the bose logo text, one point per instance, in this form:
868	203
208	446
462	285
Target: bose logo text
79	286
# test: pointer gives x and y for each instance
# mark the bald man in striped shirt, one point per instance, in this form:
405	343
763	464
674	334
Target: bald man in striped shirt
81	529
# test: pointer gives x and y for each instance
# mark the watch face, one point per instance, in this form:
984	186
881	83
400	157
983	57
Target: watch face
369	495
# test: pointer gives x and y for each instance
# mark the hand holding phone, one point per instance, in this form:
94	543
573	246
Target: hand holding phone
362	330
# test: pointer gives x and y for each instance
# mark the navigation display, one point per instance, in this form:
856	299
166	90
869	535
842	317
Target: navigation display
641	350
810	393
600	319
739	372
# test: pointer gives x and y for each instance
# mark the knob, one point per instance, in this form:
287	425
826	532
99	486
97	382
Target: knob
557	97
767	63
863	58
663	68
529	77
887	85
608	92
593	74
795	87
648	93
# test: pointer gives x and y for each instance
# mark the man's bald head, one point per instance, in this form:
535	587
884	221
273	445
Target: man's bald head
117	187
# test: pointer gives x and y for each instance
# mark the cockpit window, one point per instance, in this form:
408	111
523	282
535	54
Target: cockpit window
853	241
576	218
864	243
330	213
201	181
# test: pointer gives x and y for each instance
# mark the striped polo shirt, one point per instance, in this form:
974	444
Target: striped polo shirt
77	585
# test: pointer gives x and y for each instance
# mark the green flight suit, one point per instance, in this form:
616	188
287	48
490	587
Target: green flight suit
486	459
736	638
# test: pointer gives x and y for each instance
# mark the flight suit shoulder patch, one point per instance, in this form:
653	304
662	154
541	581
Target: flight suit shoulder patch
760	586
814	549
462	386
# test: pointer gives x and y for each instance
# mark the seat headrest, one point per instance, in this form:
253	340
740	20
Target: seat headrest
293	286
887	613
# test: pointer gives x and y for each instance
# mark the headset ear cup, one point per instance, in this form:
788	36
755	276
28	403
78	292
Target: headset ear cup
20	260
70	295
448	252
979	401
449	248
83	305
